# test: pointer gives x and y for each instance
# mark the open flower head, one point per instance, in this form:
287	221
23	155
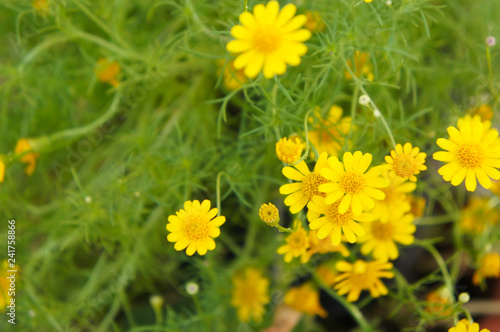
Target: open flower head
305	298
289	150
351	185
489	267
381	237
465	326
472	154
194	227
269	214
406	161
268	39
22	147
250	294
296	245
107	71
362	66
361	275
333	223
300	193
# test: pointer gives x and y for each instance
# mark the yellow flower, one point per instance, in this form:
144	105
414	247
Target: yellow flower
368	1
269	39
233	79
269	214
489	266
41	6
395	202
5	284
250	294
381	237
333	222
477	214
417	205
289	150
350	183
305	298
107	71
314	21
328	135
484	111
473	151
296	244
322	246
194	227
362	276
300	193
440	302
406	162
362	66
2	169
24	145
465	326
327	273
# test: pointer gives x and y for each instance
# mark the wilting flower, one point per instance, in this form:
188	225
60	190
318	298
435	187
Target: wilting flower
107	71
440	302
22	147
305	298
250	294
489	266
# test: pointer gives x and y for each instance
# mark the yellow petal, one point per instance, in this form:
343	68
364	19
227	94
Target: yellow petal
254	67
286	14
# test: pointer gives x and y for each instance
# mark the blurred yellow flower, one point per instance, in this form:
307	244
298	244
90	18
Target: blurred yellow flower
417	205
289	150
107	71
24	145
327	273
350	184
41	6
5	284
194	227
2	169
477	215
233	78
296	244
322	246
305	298
495	187
406	162
269	214
489	266
362	276
314	21
300	193
250	294
268	40
381	237
473	152
484	111
440	302
362	66
465	326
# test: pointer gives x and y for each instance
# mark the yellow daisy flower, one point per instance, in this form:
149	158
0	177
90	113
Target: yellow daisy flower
465	326
489	266
440	302
5	284
417	205
305	298
350	183
2	169
381	237
395	202
478	214
24	145
107	70
269	39
362	66
300	193
269	214
362	276
333	223
233	79
289	150
194	227
314	21
406	162
296	244
473	152
250	295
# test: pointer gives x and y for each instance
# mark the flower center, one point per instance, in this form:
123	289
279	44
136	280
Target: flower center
338	219
470	155
196	228
266	40
268	212
382	231
358	275
310	184
404	166
352	182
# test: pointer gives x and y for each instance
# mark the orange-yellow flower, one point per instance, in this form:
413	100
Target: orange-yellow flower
305	298
489	266
314	21
107	71
233	78
22	147
362	66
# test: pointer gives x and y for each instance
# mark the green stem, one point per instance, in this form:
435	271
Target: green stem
217	190
283	229
490	71
245	4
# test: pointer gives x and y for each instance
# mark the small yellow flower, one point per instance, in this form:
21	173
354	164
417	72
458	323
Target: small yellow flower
489	266
328	134
250	294
194	227
305	298
368	1
5	284
327	273
314	21
24	145
381	237
289	150
362	276
333	223
477	215
406	162
2	169
41	6
300	193
233	78
296	245
417	205
269	214
465	326
440	302
484	111
107	70
362	66
473	152
268	40
350	184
